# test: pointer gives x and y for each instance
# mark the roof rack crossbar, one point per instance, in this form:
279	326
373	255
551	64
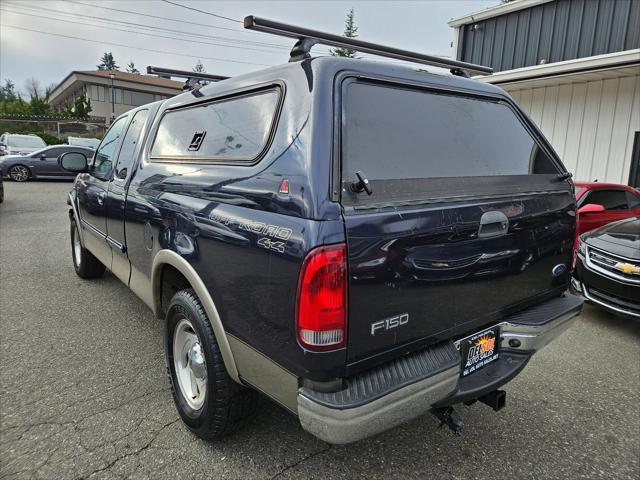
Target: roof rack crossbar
307	38
192	78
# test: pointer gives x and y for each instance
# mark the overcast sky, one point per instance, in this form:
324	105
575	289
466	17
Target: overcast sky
221	44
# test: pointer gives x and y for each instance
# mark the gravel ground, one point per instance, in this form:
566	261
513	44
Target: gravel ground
83	392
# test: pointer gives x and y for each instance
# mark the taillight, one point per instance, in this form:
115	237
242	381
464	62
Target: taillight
321	304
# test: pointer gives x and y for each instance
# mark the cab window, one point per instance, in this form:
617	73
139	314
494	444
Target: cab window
129	143
103	159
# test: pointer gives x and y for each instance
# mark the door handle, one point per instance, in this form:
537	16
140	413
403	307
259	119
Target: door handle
493	224
101	196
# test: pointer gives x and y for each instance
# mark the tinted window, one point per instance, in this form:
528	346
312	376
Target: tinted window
609	199
55	152
129	143
233	129
103	159
633	199
393	133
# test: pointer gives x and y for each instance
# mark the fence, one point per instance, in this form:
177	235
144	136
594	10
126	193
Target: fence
60	128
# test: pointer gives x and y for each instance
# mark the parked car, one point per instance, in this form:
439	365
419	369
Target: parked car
608	267
83	142
306	248
14	144
42	163
602	203
1	190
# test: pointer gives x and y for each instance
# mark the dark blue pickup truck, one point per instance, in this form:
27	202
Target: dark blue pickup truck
362	242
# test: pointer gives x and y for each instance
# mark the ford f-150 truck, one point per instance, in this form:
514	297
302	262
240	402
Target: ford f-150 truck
361	242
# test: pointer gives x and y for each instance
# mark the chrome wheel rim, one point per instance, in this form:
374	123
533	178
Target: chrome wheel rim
189	364
19	173
77	247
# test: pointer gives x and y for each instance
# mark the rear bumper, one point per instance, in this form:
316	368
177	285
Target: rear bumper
406	388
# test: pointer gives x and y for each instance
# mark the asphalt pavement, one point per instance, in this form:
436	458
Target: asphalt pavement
84	394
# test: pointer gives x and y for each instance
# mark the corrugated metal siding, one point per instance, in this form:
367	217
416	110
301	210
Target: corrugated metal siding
591	125
553	31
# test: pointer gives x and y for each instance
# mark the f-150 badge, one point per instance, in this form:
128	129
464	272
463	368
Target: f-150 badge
390	323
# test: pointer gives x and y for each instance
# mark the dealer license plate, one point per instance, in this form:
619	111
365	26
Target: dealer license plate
479	350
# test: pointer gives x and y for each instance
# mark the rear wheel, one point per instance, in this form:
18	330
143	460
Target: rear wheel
19	173
210	403
84	262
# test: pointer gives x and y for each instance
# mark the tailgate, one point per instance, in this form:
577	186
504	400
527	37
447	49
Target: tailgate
467	222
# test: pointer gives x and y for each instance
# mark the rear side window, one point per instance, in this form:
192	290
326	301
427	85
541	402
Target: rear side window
235	129
397	134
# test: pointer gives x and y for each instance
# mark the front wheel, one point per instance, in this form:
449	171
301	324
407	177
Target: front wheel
210	403
84	262
19	173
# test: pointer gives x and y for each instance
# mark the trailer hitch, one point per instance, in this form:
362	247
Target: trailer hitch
449	417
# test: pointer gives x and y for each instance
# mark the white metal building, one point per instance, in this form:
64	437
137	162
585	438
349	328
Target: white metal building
587	105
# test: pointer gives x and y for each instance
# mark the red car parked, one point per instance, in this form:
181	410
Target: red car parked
602	203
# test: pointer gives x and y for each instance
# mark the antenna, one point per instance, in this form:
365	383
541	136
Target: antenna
307	38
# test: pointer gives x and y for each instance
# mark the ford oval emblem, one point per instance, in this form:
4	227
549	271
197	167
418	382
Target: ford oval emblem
559	270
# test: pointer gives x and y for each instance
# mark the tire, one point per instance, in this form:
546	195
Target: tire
217	405
84	262
19	173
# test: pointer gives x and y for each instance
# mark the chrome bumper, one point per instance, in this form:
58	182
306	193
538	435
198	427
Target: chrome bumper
339	424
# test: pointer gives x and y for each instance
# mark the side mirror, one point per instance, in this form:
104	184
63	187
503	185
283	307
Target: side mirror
73	162
42	156
591	208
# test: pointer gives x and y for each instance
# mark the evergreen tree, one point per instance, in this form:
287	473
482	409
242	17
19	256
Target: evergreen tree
8	92
199	67
79	108
350	31
107	62
131	68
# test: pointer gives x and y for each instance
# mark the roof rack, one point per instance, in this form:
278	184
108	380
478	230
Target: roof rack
192	77
307	38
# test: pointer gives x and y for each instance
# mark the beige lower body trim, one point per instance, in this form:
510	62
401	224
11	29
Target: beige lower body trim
265	375
140	284
98	246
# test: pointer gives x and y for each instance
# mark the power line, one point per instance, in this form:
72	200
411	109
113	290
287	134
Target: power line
151	27
109	27
134	48
160	17
202	11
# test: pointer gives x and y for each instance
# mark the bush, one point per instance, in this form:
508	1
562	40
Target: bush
49	139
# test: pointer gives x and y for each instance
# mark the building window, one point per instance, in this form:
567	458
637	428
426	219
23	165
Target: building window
126	97
141	98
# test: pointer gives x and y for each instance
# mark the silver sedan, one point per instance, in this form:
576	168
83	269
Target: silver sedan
42	163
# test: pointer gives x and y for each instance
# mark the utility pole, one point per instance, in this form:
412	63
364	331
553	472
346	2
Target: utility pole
112	76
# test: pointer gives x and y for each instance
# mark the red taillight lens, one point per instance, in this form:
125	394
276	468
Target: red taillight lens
321	305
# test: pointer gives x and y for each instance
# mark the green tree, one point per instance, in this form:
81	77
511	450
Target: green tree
107	62
38	100
131	68
8	92
350	31
199	67
79	108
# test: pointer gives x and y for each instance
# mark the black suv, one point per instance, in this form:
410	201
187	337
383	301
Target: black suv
361	242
